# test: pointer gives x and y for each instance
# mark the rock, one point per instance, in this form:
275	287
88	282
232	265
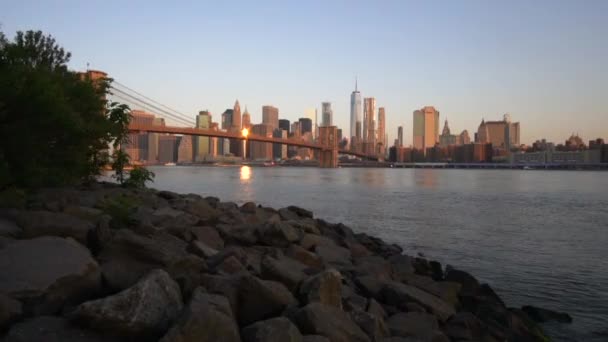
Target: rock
208	235
216	260
51	329
446	290
82	212
370	286
101	235
469	284
394	292
414	307
288	215
241	234
300	211
169	217
523	328
168	195
284	270
202	210
187	272
314	338
357	250
278	234
333	323
144	310
5	241
45	223
325	288
201	249
305	225
206	318
464	326
310	241
230	265
544	315
249	207
377	246
338	257
413	324
8	228
402	267
375	266
352	301
278	329
305	257
47	273
372	325
10	311
436	270
129	256
374	308
261	299
227	286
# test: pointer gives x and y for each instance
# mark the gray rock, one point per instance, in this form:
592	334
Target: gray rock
284	270
249	207
206	318
45	223
8	228
51	329
310	241
5	241
278	234
337	257
469	284
187	272
398	293
278	329
82	212
372	325
305	257
545	315
420	325
230	265
402	267
370	286
287	214
414	307
464	326
446	290
242	234
333	323
167	217
201	249
352	301
375	266
376	309
305	225
300	211
47	273
325	288
10	311
202	210
144	310
168	195
314	338
208	235
261	299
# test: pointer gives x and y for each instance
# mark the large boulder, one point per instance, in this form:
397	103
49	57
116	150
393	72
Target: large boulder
300	211
261	299
10	311
303	256
402	267
278	234
398	293
129	256
373	326
370	286
52	329
201	209
446	290
279	329
325	288
331	322
413	324
284	270
47	273
9	228
338	257
208	235
464	326
46	223
545	315
206	318
375	266
240	234
469	285
144	310
310	241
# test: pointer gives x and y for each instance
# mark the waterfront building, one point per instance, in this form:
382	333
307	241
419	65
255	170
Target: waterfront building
305	126
284	124
201	146
261	150
326	114
167	148
236	117
502	134
279	151
369	125
426	128
381	132
246	123
339	135
355	115
463	138
153	142
270	116
184	150
447	138
138	146
399	136
296	130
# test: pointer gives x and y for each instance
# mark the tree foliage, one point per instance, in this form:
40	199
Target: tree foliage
138	177
55	125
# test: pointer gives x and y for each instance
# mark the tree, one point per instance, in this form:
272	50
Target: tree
55	125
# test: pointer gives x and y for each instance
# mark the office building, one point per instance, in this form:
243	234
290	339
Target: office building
246	123
261	150
425	128
167	148
400	136
326	114
284	125
381	132
201	146
270	116
279	151
305	126
236	117
355	115
502	134
184	151
447	138
369	125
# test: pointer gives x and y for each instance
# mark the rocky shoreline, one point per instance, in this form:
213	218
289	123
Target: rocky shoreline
106	263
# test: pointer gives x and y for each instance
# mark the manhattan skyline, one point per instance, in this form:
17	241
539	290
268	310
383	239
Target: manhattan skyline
540	62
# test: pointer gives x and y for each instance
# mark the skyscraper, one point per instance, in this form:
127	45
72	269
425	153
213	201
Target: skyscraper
369	124
381	129
270	116
261	150
305	126
355	114
201	147
400	136
426	128
284	125
501	134
246	123
326	114
447	138
236	117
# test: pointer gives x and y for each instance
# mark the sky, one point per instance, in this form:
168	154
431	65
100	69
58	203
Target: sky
543	62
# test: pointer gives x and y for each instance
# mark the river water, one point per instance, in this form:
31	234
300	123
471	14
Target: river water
537	237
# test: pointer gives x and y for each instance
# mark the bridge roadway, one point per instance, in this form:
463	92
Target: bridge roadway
133	127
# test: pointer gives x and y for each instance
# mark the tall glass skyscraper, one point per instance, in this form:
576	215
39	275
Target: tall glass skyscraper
426	128
355	114
326	114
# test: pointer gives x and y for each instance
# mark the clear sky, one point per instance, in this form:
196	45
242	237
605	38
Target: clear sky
544	62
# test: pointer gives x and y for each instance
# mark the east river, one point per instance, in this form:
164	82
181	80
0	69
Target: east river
537	237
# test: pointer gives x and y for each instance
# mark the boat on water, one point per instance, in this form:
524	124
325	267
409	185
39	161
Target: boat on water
170	164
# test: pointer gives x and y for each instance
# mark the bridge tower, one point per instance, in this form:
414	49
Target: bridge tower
328	137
